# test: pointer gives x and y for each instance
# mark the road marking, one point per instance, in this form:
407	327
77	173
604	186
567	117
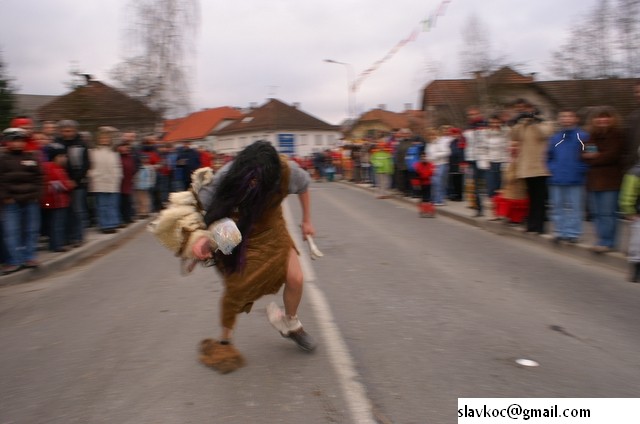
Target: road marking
354	392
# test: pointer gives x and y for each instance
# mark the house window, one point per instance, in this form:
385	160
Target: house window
318	138
303	139
332	139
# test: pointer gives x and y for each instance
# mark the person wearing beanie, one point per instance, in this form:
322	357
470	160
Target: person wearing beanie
57	197
26	124
21	184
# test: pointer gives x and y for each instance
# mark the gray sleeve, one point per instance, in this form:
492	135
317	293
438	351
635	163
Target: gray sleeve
207	194
299	179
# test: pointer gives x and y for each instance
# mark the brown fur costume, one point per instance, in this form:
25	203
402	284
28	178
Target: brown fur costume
222	358
267	259
265	271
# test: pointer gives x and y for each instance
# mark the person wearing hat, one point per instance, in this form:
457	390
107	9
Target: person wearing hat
57	197
21	184
26	124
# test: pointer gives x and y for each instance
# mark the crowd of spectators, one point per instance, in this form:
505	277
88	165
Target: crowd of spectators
56	182
525	168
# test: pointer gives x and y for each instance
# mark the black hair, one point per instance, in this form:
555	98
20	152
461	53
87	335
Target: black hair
245	192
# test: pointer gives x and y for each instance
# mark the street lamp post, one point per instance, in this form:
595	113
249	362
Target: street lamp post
351	92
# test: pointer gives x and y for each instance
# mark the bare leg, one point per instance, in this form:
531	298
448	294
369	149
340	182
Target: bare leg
293	286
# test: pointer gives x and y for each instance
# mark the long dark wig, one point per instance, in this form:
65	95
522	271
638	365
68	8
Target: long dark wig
244	193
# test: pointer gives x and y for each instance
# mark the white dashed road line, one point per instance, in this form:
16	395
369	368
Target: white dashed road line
355	395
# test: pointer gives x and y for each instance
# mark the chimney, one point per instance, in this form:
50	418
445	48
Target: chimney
253	105
382	106
408	106
296	105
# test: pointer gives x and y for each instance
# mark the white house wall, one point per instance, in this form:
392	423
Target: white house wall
306	142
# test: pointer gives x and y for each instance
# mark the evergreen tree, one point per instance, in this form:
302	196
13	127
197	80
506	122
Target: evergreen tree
7	96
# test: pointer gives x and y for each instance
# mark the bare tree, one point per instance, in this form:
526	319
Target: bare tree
628	23
606	45
159	43
475	55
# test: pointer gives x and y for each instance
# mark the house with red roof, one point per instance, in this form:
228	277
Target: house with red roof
200	126
287	127
445	101
379	122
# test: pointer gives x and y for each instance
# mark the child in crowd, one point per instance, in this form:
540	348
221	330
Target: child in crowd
424	170
629	205
382	162
57	197
144	181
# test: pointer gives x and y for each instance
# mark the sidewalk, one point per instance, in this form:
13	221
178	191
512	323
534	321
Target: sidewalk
462	213
95	243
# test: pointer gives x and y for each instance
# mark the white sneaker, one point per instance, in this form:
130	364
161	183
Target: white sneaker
280	321
290	328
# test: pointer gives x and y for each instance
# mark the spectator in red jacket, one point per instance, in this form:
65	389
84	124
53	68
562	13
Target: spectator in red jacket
57	196
206	158
424	170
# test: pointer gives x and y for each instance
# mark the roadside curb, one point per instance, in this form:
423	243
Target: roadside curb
96	246
614	260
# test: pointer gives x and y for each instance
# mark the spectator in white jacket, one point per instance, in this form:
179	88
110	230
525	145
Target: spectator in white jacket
497	137
438	152
475	153
105	176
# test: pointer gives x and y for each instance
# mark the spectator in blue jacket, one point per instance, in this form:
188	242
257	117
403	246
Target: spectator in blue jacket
412	157
568	177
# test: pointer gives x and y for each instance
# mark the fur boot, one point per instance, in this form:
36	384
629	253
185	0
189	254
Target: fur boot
223	358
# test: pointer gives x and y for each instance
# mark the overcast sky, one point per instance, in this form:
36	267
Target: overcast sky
249	50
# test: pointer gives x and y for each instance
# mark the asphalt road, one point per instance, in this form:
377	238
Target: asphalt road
410	313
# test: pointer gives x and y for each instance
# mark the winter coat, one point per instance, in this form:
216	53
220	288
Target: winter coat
439	150
531	138
382	161
401	152
21	177
188	161
57	187
513	188
606	171
145	178
633	139
425	172
497	145
413	155
129	169
564	160
456	146
630	192
105	175
78	163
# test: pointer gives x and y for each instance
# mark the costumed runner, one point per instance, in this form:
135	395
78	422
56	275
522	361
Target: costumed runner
250	190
